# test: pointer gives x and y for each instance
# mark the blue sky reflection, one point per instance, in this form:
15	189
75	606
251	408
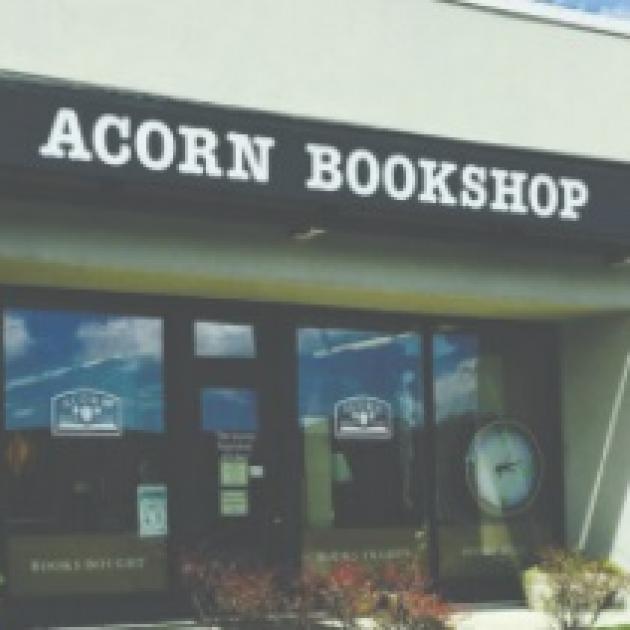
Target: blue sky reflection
610	8
50	352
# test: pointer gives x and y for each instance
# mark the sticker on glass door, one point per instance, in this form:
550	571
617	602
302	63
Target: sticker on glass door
152	510
86	412
363	417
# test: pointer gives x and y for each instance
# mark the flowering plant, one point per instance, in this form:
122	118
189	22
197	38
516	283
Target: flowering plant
410	603
230	589
395	595
307	594
574	589
351	591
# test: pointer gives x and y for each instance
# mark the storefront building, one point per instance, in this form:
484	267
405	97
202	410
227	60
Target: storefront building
355	305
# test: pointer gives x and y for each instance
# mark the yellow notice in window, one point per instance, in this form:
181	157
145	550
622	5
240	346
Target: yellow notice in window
234	502
234	471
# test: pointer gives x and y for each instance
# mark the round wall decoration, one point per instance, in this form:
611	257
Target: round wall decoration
503	468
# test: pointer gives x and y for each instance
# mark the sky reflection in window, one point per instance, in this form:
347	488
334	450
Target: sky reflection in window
50	352
610	8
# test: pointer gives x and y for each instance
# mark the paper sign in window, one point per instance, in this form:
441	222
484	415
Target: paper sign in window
234	503
152	511
234	471
86	412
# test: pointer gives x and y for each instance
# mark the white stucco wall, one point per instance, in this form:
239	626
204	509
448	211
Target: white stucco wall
425	66
596	427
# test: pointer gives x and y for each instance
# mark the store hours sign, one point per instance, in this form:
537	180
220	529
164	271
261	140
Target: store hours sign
302	169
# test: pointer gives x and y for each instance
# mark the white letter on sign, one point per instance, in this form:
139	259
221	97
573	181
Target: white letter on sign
368	185
508	191
543	195
143	138
435	186
473	193
575	193
66	139
99	139
200	146
403	188
253	151
325	163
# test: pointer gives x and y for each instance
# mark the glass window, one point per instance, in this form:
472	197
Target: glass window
495	426
84	451
361	415
229	409
223	340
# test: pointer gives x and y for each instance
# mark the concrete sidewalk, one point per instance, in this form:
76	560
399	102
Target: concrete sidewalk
523	619
468	618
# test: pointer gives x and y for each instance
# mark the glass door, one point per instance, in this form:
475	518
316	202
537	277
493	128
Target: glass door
361	417
230	471
229	450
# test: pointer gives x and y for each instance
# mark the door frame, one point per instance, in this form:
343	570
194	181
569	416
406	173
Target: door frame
275	406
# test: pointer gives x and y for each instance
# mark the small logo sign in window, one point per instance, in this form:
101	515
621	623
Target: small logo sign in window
363	417
86	412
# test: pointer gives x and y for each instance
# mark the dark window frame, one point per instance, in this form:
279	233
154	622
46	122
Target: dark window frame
179	313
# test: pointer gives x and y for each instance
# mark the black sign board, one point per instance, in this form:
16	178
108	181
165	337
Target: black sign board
304	171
